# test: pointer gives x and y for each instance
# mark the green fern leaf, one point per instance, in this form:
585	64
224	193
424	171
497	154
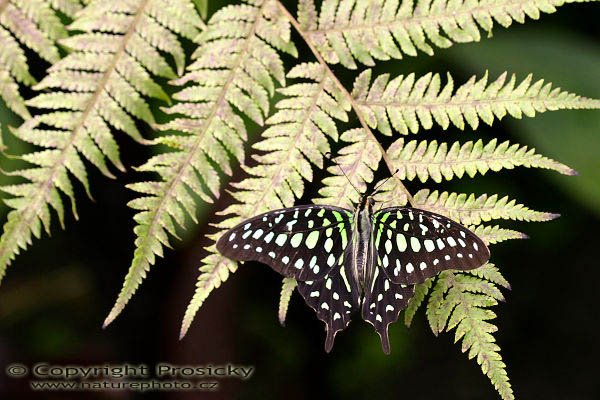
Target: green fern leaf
430	160
495	234
295	140
470	210
366	30
406	103
461	301
421	291
287	288
99	85
247	38
35	25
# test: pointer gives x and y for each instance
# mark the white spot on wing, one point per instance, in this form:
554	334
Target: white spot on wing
429	245
268	237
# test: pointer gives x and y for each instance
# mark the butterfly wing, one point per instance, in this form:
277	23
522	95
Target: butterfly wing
333	298
306	243
303	242
383	302
415	244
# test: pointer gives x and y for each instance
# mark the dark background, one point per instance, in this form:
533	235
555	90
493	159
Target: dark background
55	296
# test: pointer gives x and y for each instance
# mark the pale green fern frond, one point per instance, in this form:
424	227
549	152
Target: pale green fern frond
367	30
471	210
406	103
429	160
416	300
287	288
295	140
210	131
461	301
34	24
99	85
495	234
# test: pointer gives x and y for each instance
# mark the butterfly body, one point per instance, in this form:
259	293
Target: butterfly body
344	261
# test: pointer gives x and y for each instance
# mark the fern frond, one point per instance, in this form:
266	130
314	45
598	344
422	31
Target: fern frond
295	140
99	85
406	103
495	234
461	301
365	30
471	210
209	130
430	160
36	25
287	288
415	302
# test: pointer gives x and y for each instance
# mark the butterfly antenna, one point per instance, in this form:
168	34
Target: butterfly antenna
409	197
328	155
385	180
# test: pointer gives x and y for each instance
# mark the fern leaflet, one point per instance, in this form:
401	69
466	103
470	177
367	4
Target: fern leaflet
365	30
407	103
209	130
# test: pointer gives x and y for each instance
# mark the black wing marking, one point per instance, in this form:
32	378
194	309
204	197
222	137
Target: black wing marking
303	242
334	299
383	302
415	244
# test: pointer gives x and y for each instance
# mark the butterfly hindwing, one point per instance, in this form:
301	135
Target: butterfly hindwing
333	298
303	242
383	301
415	244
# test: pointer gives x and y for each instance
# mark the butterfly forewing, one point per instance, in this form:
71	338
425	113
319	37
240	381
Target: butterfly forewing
414	244
303	242
333	298
383	302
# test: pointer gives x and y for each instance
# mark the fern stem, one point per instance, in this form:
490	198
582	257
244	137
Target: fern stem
355	106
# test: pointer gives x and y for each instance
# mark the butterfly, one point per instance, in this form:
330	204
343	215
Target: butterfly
346	260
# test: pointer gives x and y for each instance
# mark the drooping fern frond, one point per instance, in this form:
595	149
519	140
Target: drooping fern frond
34	24
461	301
429	160
99	85
407	104
287	288
210	131
365	30
295	140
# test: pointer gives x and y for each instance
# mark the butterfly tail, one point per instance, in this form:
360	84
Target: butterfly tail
385	340
329	339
